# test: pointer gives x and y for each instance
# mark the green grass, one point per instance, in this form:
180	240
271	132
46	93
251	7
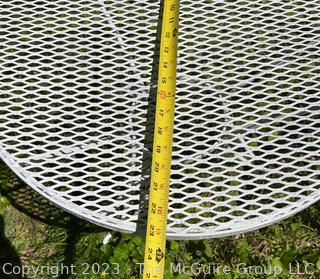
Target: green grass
36	233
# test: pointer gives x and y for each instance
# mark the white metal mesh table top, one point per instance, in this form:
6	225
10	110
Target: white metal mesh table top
76	89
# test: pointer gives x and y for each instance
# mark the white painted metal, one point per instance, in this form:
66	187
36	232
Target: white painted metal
75	77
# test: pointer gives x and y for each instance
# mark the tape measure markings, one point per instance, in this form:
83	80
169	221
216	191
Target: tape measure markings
162	148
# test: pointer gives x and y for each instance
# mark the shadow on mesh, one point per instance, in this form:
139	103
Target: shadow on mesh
37	207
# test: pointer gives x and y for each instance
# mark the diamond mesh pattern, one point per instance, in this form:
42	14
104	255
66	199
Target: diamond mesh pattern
75	78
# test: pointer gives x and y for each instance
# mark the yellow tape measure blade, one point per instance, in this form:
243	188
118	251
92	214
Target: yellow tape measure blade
162	148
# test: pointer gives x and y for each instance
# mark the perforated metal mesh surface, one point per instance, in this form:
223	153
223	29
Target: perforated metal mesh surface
75	79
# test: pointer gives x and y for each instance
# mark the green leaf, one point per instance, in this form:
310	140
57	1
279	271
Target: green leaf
318	264
167	267
121	252
288	255
244	251
138	241
221	275
174	245
208	250
125	238
295	227
107	250
277	265
3	202
131	246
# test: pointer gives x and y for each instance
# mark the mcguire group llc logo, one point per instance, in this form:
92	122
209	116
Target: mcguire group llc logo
198	269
